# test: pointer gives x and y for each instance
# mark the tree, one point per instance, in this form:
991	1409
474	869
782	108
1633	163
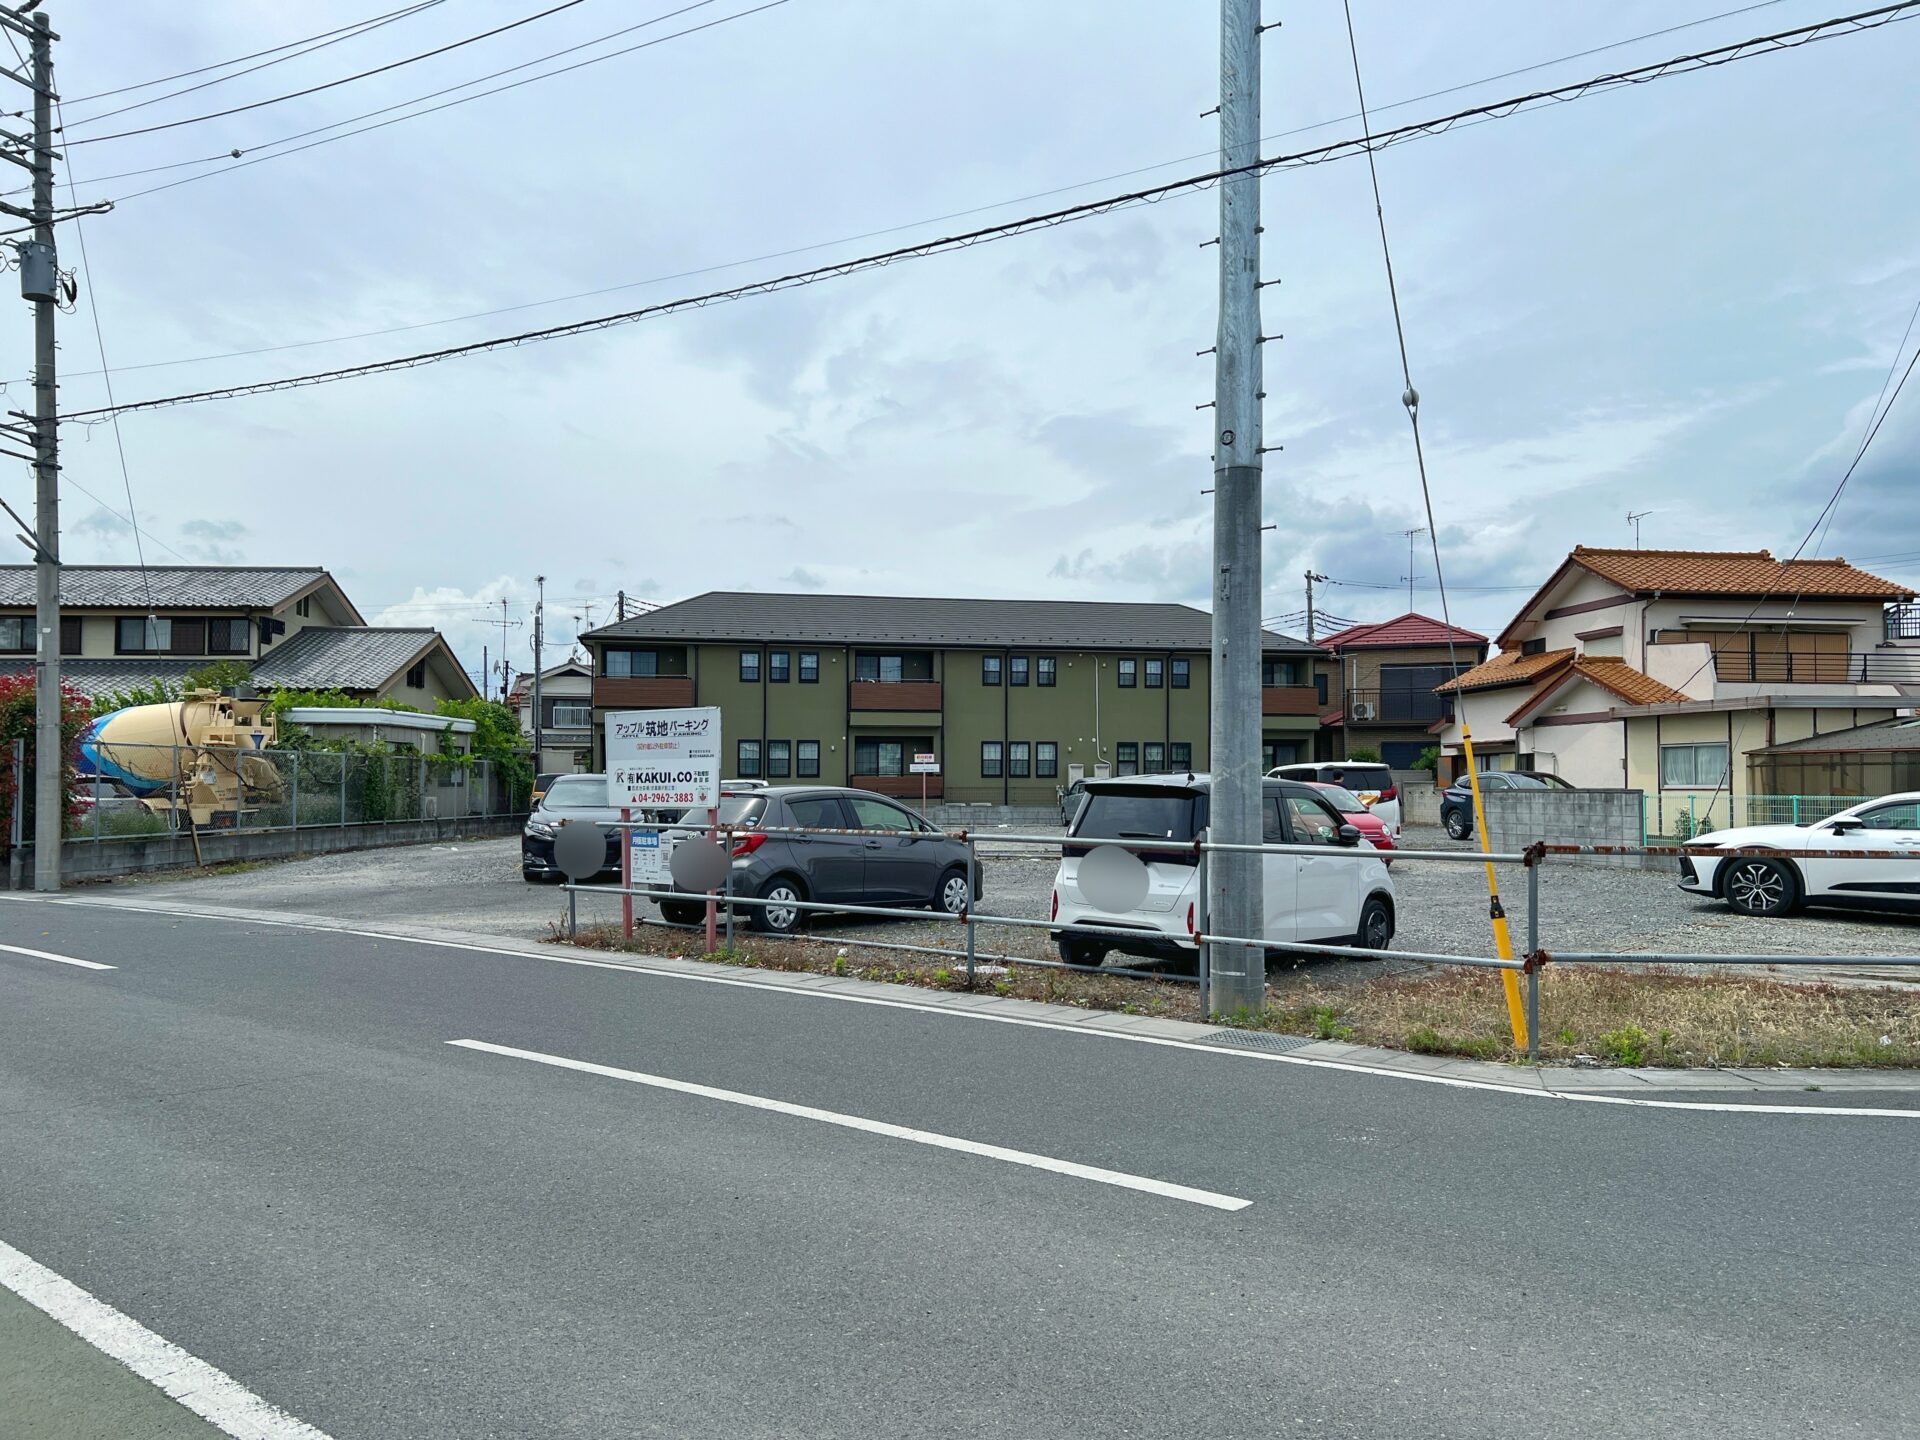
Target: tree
16	723
1364	756
497	740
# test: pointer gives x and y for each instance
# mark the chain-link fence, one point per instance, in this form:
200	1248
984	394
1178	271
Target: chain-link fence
1681	816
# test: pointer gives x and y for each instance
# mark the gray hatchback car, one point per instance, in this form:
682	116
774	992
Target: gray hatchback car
889	856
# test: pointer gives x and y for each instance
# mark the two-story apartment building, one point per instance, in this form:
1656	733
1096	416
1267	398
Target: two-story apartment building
1014	697
1665	670
1378	682
122	626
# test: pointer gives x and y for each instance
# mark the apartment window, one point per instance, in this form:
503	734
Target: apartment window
886	756
1017	669
1126	758
1046	759
990	759
142	635
1128	672
989	669
1278	674
1153	758
779	759
1156	674
1019	759
572	715
417	675
749	667
778	663
809	667
1689	767
16	634
1043	671
746	763
886	668
1182	674
1534	647
806	759
1180	756
227	635
629	664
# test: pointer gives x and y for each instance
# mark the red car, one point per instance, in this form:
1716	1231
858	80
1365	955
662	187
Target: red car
1354	811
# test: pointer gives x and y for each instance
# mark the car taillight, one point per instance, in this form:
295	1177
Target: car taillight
1054	914
1190	929
1392	792
747	844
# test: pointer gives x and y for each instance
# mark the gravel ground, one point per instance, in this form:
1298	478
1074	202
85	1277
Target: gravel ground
1442	906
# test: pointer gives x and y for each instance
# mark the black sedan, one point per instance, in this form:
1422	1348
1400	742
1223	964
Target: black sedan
1456	801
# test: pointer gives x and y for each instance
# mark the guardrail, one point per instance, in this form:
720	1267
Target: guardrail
721	904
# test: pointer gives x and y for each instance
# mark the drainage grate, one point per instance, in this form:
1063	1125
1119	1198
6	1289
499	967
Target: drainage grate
1258	1040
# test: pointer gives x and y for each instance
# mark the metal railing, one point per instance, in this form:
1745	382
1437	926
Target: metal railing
1866	667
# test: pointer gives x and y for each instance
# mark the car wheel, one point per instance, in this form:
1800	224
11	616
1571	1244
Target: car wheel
954	896
1082	950
782	916
1761	887
1376	926
683	912
1458	826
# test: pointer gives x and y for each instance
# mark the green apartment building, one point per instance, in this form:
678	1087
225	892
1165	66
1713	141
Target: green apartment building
1015	697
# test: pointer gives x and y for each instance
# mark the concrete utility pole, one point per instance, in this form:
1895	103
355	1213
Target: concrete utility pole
1412	575
1234	898
1312	577
623	605
539	617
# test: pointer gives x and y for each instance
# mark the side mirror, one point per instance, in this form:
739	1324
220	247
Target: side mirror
1844	827
1349	835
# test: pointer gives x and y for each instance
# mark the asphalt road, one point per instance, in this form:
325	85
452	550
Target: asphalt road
256	1141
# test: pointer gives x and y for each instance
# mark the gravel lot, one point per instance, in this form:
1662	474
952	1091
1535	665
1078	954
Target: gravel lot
1443	906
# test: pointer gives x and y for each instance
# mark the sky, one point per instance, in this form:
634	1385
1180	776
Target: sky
1681	298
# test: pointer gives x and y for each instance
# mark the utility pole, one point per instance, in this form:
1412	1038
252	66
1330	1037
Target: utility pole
1312	576
505	625
539	617
1412	536
623	604
1234	896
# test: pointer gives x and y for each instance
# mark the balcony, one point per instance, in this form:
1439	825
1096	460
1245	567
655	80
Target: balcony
651	692
1872	667
1396	707
1903	622
899	696
1289	700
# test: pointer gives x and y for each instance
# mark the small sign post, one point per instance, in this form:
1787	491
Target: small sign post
924	764
662	760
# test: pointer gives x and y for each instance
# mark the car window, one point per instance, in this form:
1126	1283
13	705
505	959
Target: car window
1492	780
577	792
1312	823
1156	813
870	814
741	809
1554	782
1272	832
1525	782
1905	816
1364	777
1345	801
817	812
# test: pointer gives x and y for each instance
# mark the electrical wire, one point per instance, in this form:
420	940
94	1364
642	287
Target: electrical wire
330	84
1341	149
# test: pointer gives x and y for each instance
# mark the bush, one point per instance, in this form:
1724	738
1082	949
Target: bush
1429	760
16	723
1364	756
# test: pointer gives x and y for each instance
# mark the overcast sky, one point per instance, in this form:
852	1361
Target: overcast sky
1680	298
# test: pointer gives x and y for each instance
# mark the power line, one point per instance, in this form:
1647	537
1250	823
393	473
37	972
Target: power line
1341	149
330	84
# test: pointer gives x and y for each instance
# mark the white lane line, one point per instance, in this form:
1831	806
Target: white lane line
1118	1178
213	1395
61	959
1450	1082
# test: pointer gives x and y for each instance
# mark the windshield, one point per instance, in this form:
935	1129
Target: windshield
1526	782
577	792
1158	813
1345	801
1366	777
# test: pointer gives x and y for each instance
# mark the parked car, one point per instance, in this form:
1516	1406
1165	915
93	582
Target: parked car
1339	900
891	856
1456	801
1371	781
1355	812
575	799
1797	873
543	783
1070	801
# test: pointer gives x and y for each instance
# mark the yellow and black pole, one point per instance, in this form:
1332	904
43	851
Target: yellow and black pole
1502	937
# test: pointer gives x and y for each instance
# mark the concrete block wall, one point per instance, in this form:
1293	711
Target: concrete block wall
1519	818
1419	797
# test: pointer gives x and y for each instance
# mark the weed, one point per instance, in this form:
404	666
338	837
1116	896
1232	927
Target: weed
1327	1024
942	977
1625	1046
839	966
1566	1035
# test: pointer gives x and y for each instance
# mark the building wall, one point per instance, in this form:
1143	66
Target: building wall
1582	587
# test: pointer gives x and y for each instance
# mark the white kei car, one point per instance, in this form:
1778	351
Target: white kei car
1342	898
1803	868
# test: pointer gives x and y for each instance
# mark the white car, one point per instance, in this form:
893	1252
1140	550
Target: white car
1371	781
1343	898
1802	868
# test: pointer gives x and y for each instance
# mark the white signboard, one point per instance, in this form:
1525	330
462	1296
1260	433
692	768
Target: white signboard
664	758
924	764
650	856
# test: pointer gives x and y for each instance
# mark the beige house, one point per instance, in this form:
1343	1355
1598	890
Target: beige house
1664	670
566	720
1377	686
122	626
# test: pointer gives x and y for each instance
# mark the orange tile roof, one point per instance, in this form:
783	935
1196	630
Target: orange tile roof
1743	573
1507	668
1610	673
1406	630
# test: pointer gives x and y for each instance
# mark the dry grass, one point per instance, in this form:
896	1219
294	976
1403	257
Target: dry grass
1618	1016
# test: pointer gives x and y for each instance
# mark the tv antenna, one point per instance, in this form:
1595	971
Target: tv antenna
1634	517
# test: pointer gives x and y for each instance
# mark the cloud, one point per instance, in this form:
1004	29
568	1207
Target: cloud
214	541
803	578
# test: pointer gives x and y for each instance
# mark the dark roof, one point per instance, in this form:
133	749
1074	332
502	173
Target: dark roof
324	657
102	677
1408	630
237	586
920	620
1881	735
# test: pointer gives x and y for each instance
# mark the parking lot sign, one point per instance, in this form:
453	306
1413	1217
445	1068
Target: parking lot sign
925	764
659	759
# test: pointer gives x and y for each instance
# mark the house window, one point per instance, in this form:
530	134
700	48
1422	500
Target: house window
227	635
886	756
303	607
779	759
417	675
809	667
989	669
1534	647
749	667
142	635
990	759
1126	758
1156	674
1693	767
1154	761
778	662
806	759
1019	759
1182	674
1279	674
1128	669
16	634
1043	671
1320	688
70	643
1046	759
1180	755
747	760
1016	670
629	664
572	715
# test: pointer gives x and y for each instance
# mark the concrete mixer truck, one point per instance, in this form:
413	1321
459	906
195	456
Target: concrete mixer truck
196	759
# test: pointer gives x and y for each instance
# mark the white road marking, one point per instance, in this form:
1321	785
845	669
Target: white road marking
60	959
213	1395
1451	1082
1119	1178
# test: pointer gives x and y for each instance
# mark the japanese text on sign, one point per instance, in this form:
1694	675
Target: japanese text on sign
664	758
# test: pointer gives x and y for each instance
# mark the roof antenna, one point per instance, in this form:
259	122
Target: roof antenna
1634	517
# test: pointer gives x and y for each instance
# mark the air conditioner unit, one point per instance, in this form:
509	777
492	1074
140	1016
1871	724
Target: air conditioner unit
1363	710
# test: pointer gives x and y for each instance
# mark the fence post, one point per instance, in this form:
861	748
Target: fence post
1204	968
726	844
293	812
343	789
1533	951
239	791
626	874
17	820
1796	809
420	788
973	882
